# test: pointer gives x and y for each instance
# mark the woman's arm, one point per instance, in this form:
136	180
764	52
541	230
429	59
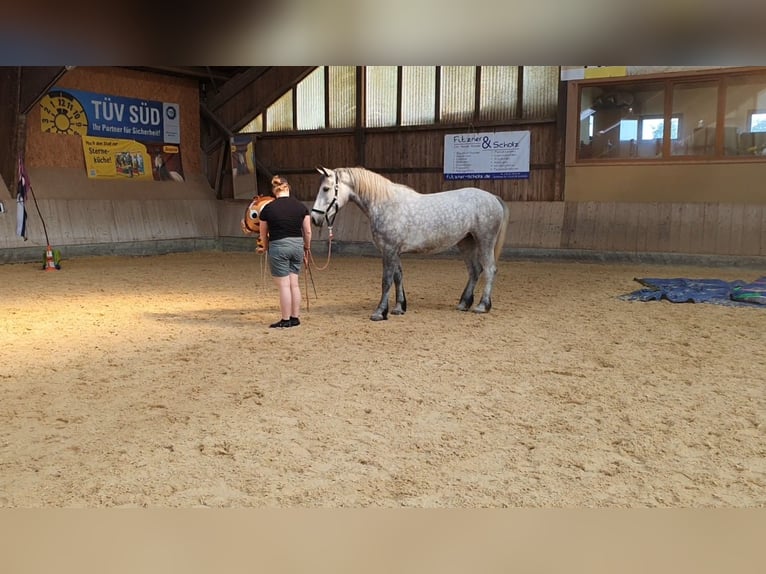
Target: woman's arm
307	233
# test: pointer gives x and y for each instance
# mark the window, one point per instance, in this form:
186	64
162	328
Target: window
279	115
540	90
309	96
698	102
499	92
746	114
458	93
418	95
678	118
382	85
621	121
758	122
255	125
342	96
394	96
654	128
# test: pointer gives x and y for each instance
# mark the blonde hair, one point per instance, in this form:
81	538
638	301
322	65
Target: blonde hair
279	184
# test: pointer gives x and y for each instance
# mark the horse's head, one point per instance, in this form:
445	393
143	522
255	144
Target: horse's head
251	223
332	195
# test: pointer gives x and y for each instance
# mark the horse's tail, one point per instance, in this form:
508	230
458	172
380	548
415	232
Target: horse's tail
500	241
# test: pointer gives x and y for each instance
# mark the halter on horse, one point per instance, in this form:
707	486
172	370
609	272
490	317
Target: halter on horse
405	221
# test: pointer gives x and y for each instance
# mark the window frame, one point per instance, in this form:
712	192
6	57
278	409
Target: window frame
668	81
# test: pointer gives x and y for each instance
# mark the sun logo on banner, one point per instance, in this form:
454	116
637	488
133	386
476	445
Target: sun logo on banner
62	113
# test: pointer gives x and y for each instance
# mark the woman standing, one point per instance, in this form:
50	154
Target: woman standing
286	233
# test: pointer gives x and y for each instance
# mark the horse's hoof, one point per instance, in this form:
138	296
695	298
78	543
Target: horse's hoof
377	317
397	312
461	307
481	309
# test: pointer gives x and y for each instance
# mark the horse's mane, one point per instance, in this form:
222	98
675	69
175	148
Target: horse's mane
372	185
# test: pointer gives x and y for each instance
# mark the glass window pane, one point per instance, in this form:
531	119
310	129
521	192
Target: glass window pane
652	128
279	115
628	130
621	121
380	90
310	101
255	125
499	90
758	122
746	112
540	92
418	95
342	96
695	107
457	94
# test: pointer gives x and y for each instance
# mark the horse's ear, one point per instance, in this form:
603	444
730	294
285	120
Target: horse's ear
324	171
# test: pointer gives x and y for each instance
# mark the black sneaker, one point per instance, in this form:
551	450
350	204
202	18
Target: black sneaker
294	321
281	324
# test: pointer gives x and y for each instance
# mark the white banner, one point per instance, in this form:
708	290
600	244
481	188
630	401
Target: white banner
487	155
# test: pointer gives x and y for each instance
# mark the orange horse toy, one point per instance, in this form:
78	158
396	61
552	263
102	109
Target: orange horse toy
251	223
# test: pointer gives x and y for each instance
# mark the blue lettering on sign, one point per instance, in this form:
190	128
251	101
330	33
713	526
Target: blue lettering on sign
492	175
461	138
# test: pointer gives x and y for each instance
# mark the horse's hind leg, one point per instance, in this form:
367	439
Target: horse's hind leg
487	258
467	247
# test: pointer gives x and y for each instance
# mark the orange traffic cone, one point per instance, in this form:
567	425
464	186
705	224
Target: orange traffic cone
50	265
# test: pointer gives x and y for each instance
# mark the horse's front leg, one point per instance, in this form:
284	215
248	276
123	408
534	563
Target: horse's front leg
401	300
390	264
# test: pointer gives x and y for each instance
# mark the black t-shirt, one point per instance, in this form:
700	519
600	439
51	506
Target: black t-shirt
285	217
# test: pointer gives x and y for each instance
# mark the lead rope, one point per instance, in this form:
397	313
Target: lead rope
329	252
309	263
310	256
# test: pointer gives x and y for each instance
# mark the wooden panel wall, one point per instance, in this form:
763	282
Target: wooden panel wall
9	101
701	229
413	157
88	221
635	228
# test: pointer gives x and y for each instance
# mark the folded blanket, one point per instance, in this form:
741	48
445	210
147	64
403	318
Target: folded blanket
716	291
754	292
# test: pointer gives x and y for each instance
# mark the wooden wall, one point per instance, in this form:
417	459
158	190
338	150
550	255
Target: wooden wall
728	219
74	222
9	87
624	227
628	228
414	157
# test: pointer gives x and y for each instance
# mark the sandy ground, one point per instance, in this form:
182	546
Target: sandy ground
155	382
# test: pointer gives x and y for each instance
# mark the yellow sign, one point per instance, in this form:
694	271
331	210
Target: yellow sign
605	71
116	158
588	72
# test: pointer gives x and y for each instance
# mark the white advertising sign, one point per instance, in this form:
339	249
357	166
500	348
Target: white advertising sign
487	155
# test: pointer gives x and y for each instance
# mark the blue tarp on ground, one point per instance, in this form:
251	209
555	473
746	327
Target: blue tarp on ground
716	291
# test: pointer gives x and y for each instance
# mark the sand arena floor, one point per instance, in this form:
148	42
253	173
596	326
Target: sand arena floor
155	382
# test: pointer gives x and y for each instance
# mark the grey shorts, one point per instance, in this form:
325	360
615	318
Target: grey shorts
286	256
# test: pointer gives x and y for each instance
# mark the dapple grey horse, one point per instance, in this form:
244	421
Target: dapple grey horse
405	221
